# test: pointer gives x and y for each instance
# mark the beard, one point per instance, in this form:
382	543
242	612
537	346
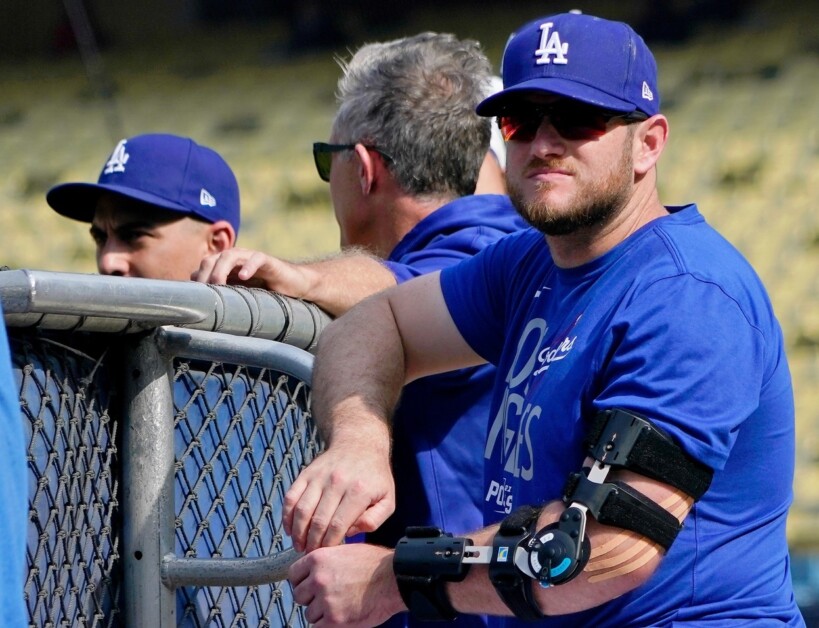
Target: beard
594	204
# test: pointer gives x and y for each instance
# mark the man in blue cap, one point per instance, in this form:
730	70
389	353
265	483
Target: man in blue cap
642	424
161	204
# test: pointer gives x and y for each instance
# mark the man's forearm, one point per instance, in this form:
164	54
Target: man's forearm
338	283
620	561
358	375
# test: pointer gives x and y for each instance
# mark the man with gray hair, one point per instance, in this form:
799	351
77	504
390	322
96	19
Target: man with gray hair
403	160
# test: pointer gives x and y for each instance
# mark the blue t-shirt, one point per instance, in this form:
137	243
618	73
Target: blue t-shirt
13	494
674	324
440	424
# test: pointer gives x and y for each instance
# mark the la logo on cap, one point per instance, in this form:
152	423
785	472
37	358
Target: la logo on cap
550	44
118	159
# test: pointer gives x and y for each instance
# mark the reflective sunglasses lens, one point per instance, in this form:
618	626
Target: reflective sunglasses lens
580	123
519	128
572	122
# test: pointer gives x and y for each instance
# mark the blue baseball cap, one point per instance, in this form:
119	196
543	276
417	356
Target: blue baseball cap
168	171
586	58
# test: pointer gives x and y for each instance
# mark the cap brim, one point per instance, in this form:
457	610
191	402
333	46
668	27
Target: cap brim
497	103
79	200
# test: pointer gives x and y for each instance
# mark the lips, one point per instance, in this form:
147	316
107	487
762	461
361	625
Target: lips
545	169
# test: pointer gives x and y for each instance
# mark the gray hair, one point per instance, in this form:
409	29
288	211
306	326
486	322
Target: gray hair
414	99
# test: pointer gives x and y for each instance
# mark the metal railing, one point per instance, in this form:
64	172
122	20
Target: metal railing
160	445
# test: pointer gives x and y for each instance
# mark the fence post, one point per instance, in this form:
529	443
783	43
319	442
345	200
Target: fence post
148	473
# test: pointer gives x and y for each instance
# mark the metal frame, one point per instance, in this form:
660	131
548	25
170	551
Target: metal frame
141	312
152	571
96	303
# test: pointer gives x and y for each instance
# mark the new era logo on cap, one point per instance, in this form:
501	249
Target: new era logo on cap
206	198
586	58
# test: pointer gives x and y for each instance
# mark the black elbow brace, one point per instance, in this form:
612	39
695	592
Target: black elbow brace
427	558
557	553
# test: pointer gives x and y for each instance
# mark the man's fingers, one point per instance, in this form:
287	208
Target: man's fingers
329	522
251	265
205	269
347	511
309	521
296	574
291	500
373	517
226	264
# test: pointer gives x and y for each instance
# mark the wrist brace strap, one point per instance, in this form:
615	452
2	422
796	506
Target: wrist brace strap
424	561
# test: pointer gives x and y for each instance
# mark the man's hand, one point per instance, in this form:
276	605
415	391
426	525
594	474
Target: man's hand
351	585
253	269
344	491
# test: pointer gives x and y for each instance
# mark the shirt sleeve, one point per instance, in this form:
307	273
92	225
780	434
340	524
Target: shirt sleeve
477	295
683	353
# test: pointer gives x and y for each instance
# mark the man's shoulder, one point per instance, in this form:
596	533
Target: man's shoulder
490	213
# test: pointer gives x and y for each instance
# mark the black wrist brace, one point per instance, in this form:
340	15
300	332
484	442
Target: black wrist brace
425	560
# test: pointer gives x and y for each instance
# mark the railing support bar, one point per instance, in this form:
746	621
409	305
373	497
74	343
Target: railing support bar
148	469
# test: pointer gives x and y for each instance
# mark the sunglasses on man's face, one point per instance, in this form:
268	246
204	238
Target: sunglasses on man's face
323	156
573	121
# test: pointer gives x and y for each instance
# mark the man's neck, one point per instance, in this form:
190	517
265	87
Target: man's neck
583	246
400	217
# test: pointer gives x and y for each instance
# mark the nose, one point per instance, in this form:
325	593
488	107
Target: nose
547	140
113	260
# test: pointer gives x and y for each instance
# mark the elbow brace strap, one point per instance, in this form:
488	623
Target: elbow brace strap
558	553
621	438
617	504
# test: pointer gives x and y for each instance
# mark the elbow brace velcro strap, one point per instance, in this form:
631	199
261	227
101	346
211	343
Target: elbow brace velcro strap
621	438
617	504
424	561
513	587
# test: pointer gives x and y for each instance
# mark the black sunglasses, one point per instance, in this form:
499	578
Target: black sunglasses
323	156
572	120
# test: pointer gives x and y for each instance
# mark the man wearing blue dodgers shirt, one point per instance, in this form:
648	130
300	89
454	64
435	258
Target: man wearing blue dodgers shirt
404	160
613	303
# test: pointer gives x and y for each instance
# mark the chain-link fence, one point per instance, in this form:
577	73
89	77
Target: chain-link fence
158	456
74	576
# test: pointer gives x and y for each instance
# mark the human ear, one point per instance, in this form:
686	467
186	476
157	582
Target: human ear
366	169
221	236
649	141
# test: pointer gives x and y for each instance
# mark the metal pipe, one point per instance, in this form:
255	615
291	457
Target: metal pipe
227	572
256	352
83	302
148	469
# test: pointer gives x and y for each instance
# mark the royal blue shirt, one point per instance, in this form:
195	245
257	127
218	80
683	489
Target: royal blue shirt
674	324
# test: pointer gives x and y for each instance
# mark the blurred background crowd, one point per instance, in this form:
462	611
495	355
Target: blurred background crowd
254	79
